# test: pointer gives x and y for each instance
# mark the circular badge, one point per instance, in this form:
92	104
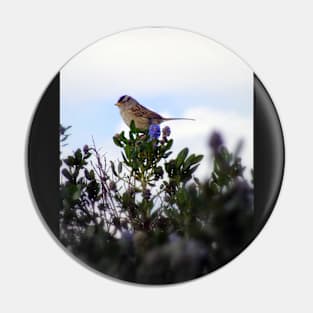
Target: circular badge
155	156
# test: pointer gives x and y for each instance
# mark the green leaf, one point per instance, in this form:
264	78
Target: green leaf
70	161
198	158
125	159
136	164
113	168
67	174
132	127
87	156
92	174
181	157
167	154
169	144
117	142
123	138
170	168
197	181
214	187
193	169
182	197
120	167
192	159
78	155
76	194
128	151
71	193
131	136
189	161
87	174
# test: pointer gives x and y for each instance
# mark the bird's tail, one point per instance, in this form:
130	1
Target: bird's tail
178	118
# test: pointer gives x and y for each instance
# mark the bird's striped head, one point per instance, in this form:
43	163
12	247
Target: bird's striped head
122	100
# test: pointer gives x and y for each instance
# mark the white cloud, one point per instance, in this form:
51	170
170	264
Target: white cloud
152	61
194	135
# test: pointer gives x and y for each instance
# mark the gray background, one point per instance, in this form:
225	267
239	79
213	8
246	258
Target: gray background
274	273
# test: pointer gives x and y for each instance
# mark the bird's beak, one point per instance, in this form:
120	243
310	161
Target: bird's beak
117	104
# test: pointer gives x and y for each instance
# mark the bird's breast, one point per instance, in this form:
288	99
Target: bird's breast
140	121
126	117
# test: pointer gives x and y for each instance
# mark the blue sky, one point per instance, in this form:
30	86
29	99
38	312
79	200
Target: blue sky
173	72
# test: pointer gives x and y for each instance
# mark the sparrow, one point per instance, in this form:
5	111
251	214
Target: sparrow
132	110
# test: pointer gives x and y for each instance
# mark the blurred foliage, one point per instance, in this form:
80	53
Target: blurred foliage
63	134
149	219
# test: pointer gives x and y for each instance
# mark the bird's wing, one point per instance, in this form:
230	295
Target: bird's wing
141	111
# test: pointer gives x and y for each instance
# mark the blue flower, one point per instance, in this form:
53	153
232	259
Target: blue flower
216	141
166	131
154	131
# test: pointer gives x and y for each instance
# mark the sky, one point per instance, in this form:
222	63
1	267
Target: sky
173	72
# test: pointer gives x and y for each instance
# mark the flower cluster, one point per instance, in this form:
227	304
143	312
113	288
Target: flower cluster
166	132
216	141
154	131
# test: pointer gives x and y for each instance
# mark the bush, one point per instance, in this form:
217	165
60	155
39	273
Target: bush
149	219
